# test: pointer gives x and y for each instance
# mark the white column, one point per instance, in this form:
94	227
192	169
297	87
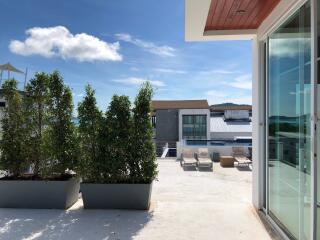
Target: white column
257	127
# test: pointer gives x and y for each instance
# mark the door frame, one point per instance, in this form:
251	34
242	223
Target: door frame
314	117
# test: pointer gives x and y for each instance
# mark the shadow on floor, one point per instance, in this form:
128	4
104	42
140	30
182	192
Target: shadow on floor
244	168
189	168
205	169
72	225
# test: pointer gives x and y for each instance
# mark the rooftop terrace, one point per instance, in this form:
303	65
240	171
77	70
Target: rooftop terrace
186	204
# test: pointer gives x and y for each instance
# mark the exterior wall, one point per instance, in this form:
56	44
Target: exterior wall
229	135
167	128
194	112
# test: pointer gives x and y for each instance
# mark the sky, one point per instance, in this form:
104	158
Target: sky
115	45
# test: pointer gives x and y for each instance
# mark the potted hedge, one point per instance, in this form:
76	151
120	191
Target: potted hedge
38	146
119	173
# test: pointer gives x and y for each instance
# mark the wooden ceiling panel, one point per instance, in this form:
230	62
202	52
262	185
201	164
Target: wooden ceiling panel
238	14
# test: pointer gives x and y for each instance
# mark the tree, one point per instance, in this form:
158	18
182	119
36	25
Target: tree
90	119
143	167
62	142
36	102
13	149
117	140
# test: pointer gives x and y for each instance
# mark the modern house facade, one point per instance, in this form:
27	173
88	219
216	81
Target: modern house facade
285	42
192	124
180	119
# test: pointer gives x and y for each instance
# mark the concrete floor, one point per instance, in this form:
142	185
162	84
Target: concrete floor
186	204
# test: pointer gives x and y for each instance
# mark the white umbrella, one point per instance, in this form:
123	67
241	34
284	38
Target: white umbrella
8	67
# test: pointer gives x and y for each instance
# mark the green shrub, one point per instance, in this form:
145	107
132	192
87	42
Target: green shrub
117	148
12	144
90	121
117	140
36	102
143	165
37	128
61	143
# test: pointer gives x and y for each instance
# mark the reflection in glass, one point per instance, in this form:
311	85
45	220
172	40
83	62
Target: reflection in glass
289	125
318	142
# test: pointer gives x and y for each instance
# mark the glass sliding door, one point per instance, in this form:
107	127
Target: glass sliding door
318	123
289	125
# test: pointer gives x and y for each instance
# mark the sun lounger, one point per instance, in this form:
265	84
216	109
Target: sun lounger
240	157
188	158
203	158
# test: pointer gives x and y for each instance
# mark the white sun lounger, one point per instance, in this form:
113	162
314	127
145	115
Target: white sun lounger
240	157
203	158
187	158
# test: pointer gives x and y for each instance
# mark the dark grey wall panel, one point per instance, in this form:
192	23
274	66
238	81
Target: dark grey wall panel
167	127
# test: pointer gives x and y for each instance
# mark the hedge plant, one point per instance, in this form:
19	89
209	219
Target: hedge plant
38	133
117	141
117	147
61	143
12	144
143	167
36	101
90	121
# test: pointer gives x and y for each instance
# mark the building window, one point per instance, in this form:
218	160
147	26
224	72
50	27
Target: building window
2	104
153	121
194	127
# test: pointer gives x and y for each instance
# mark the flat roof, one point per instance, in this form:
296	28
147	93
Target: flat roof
180	104
229	106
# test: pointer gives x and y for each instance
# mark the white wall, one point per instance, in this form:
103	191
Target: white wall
229	135
222	150
194	112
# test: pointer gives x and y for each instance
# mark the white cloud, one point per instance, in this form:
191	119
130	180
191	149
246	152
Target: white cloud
237	99
288	46
59	42
135	69
216	97
167	70
217	71
215	93
163	51
242	82
139	81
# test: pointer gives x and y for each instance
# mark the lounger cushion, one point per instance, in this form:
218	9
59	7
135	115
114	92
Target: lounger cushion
188	154
189	160
204	160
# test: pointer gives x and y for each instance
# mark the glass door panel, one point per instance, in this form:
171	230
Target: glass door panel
289	125
318	112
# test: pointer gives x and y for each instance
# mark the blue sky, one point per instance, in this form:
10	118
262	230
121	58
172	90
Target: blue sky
116	44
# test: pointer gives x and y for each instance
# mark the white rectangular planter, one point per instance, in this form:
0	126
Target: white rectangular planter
39	194
116	196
